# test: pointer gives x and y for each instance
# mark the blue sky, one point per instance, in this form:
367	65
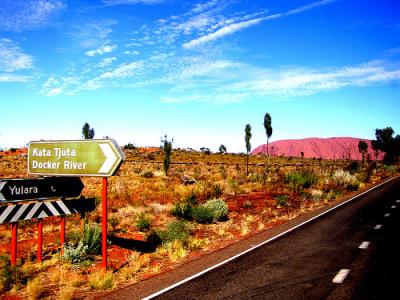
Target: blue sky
198	71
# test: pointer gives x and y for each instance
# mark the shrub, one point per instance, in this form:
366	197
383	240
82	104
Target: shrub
343	178
75	254
34	288
353	167
298	181
217	190
281	200
6	274
182	210
92	238
143	222
148	174
211	211
101	281
177	230
203	214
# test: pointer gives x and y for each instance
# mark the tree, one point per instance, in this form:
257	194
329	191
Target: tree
247	138
363	148
222	149
374	146
167	148
385	142
87	132
268	128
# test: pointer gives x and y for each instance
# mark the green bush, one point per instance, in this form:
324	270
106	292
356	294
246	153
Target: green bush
143	222
211	211
203	214
281	200
182	210
298	181
148	174
75	254
7	274
92	238
176	231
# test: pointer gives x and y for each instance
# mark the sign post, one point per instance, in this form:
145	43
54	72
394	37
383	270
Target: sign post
14	232
104	223
74	158
78	158
13	190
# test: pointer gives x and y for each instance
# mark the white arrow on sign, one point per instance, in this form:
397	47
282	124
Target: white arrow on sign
111	158
1	188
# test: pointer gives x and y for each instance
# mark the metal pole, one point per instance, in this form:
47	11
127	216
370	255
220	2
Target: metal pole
104	224
40	240
14	230
62	237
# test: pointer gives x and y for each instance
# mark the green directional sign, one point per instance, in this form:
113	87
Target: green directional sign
74	158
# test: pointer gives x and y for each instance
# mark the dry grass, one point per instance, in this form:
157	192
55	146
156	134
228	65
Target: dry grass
132	193
101	280
34	288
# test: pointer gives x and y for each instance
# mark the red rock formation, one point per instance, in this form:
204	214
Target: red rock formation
325	148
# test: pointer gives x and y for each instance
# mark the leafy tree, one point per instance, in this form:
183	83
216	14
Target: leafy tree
167	148
385	142
363	148
374	146
205	150
222	149
87	132
268	128
247	138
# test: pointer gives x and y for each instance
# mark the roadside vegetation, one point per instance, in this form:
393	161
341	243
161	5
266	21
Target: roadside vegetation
170	205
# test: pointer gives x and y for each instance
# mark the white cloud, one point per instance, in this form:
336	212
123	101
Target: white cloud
13	58
101	50
221	32
92	34
123	70
107	61
243	23
28	14
56	85
13	78
130	2
240	82
200	7
54	92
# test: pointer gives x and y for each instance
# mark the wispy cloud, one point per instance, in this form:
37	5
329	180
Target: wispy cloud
13	57
131	2
240	25
247	82
101	50
230	29
107	61
13	78
29	14
92	34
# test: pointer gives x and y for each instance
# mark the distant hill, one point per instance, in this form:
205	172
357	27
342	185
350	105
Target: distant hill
325	148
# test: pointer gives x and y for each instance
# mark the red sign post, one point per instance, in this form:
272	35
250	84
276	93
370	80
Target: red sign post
78	158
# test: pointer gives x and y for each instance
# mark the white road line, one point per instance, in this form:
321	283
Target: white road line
387	215
393	206
378	226
397	201
341	276
364	245
171	287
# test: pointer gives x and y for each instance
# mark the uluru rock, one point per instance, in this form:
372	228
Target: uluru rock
324	148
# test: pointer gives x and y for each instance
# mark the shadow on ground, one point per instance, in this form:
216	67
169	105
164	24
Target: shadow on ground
148	246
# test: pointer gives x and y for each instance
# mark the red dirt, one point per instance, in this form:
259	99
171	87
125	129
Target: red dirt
329	148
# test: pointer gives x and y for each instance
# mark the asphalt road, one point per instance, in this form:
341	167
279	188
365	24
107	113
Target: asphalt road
303	263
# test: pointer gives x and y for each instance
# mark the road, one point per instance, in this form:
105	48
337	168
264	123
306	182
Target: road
359	238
